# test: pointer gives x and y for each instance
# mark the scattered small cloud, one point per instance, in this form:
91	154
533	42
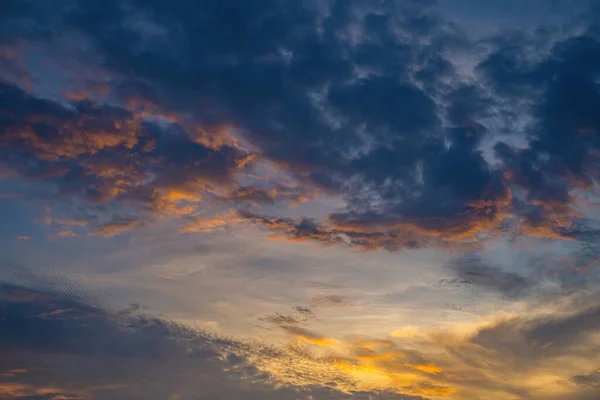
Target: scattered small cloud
328	301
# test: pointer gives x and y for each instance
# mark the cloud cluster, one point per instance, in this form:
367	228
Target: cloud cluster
57	346
361	101
533	357
218	113
59	343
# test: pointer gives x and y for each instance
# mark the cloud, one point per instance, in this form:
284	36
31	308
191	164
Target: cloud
364	102
115	228
342	115
23	391
280	319
550	276
217	222
324	301
56	344
215	114
472	271
61	338
592	379
561	157
521	356
99	154
301	316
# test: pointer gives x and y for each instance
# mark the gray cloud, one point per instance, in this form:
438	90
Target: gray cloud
534	339
592	379
473	271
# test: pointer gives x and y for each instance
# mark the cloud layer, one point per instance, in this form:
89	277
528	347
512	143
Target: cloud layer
365	102
379	127
59	345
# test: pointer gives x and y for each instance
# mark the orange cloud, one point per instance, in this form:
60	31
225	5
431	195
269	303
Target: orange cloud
492	360
372	364
15	390
73	137
64	233
22	296
429	368
218	222
48	220
111	229
216	137
318	341
104	153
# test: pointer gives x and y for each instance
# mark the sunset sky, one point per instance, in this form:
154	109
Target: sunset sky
299	199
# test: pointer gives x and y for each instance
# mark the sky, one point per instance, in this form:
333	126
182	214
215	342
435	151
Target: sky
299	200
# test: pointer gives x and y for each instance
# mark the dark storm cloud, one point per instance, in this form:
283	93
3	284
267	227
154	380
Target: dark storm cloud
312	89
20	19
562	93
360	100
